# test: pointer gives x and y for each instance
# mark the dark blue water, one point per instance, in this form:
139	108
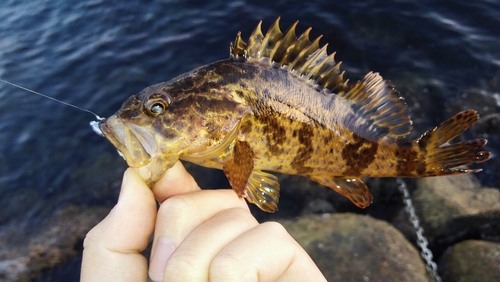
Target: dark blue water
443	56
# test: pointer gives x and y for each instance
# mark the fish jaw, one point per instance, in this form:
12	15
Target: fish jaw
138	147
126	142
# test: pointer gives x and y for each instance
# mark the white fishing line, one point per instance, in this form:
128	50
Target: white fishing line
54	99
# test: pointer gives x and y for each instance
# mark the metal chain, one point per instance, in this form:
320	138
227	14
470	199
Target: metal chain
421	240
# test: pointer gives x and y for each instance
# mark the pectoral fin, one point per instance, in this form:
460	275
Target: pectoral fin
239	167
259	188
352	188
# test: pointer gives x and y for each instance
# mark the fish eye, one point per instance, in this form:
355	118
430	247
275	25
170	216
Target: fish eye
157	104
157	108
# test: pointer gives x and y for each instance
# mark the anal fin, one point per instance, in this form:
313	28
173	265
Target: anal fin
352	188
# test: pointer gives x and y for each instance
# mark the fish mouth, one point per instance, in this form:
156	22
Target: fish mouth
138	147
134	143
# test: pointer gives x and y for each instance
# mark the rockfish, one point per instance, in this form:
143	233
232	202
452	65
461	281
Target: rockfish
280	103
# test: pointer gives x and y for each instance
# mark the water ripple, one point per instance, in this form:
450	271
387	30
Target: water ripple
96	53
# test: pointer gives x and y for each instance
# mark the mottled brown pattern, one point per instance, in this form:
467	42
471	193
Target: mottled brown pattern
246	126
358	155
275	133
305	135
189	82
407	161
240	93
250	114
131	108
232	74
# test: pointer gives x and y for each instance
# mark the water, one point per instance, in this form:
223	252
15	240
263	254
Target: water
96	53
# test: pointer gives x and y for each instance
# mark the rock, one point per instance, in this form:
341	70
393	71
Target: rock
471	260
350	247
23	257
319	206
454	208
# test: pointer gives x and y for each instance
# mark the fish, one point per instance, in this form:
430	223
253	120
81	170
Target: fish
280	103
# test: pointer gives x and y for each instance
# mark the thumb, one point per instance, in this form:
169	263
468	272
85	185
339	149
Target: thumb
112	248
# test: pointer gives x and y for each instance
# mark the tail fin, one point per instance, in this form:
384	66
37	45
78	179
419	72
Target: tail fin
442	158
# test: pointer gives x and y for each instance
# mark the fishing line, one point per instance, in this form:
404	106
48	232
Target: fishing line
52	98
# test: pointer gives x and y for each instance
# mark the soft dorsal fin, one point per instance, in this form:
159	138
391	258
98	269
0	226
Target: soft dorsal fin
378	111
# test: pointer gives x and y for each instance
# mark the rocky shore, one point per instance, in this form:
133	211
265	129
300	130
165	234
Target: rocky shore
461	220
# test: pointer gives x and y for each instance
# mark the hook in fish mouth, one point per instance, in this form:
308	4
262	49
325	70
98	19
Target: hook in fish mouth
95	127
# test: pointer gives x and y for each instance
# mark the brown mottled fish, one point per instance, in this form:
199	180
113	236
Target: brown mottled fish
280	103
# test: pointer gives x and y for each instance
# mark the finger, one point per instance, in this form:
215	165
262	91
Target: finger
265	253
180	215
191	260
175	181
112	248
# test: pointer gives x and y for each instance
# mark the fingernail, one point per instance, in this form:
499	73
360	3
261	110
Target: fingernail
162	252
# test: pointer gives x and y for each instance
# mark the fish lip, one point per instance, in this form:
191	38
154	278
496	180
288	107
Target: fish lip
138	147
145	138
137	152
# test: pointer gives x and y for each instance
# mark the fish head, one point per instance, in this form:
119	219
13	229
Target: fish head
148	138
160	125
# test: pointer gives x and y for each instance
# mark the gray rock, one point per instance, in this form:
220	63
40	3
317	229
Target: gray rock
350	247
470	261
454	208
24	256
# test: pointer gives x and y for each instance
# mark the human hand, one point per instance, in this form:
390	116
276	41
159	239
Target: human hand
200	235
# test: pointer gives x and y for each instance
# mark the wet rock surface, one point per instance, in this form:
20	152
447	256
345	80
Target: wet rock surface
345	245
470	261
24	257
459	217
453	209
350	247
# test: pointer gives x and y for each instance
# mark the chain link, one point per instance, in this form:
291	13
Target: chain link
421	240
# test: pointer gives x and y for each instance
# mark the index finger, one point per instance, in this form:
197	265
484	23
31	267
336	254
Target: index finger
175	181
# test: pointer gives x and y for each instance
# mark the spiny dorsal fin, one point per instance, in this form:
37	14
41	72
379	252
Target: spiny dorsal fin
301	56
378	109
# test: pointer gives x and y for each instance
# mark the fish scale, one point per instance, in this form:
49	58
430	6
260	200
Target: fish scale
280	103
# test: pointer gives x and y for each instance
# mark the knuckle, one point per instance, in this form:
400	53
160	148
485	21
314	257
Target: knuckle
176	205
227	267
240	215
276	229
91	238
182	266
96	237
